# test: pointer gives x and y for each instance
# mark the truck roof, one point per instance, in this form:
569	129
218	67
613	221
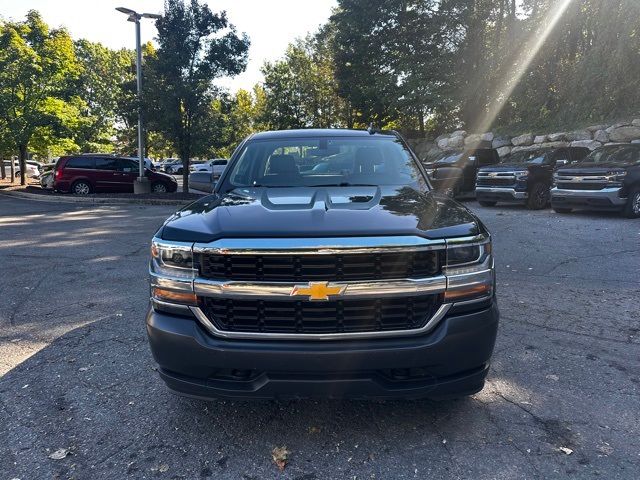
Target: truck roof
319	132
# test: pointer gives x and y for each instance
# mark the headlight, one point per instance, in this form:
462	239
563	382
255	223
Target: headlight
173	260
430	171
462	255
616	176
469	270
522	175
172	271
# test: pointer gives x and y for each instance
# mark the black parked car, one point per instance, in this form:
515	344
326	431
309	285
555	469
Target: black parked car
608	179
524	177
455	172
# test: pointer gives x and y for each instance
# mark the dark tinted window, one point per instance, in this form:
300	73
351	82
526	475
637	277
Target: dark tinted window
125	165
488	157
618	154
560	154
106	163
81	162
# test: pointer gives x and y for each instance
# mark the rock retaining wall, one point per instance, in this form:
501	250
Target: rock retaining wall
591	137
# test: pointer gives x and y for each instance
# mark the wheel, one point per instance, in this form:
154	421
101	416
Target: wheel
632	208
562	210
486	203
81	187
538	197
159	187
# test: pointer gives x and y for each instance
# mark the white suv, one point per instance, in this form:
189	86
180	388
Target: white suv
215	167
33	171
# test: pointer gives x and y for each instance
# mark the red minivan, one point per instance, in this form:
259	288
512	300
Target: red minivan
84	174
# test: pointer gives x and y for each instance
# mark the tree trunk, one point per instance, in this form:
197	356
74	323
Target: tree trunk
185	173
23	164
3	169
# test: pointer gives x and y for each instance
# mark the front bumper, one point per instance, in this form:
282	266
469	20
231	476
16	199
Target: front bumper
451	360
500	194
605	199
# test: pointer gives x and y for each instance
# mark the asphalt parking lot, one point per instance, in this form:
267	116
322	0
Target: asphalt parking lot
562	400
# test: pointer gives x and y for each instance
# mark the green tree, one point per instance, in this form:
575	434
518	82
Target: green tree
195	47
37	66
300	89
104	74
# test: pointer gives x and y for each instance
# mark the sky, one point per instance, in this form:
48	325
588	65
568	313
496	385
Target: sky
270	24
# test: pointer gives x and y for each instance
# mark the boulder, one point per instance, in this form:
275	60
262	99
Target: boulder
443	143
456	141
552	145
590	144
440	137
616	125
539	145
601	136
473	140
522	140
557	137
422	148
595	128
539	139
487	137
579	135
624	134
501	141
636	122
503	151
459	133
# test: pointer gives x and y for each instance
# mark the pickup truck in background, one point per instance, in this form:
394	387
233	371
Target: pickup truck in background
525	176
454	173
291	283
607	179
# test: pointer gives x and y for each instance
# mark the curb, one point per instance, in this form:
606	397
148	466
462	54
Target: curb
93	200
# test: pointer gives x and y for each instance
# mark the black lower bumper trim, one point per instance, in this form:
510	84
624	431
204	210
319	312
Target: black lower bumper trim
450	361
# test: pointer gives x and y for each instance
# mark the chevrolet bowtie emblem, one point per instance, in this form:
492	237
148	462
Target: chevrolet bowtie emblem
317	290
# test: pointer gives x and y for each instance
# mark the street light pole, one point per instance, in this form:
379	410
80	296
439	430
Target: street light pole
141	185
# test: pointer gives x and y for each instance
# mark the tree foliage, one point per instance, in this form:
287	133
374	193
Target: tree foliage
37	69
195	47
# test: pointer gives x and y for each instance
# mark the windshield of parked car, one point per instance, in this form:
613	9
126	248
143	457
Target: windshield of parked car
326	161
450	158
618	154
530	157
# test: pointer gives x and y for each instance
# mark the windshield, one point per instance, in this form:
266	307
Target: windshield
535	157
619	154
450	158
326	161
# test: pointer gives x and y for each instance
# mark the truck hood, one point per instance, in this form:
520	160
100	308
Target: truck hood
321	212
588	168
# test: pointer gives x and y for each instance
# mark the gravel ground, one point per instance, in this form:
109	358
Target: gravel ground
562	400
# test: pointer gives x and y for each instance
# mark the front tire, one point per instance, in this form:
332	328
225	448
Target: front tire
81	187
159	187
487	203
632	208
538	197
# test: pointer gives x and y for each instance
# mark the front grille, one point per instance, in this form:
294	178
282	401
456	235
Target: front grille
340	316
581	186
343	267
495	182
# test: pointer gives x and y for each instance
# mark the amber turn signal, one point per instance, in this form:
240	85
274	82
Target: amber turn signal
466	293
188	298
